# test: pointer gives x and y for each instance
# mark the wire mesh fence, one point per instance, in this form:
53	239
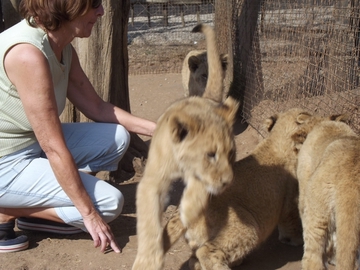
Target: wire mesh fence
304	54
159	33
297	53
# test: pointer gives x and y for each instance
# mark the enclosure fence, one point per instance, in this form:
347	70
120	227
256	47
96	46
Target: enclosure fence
286	53
159	33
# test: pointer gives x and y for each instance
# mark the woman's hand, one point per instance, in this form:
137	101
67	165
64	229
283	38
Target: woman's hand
100	232
83	96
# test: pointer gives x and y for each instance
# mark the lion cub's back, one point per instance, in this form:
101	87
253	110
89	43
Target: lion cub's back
326	143
340	163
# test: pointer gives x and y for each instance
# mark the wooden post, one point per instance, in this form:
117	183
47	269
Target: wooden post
2	25
9	13
236	24
104	58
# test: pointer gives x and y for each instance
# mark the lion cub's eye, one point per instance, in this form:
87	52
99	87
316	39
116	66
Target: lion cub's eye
211	154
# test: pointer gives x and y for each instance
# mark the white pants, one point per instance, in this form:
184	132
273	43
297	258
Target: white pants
27	180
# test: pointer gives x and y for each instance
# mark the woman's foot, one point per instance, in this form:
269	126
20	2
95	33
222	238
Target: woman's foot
44	225
9	242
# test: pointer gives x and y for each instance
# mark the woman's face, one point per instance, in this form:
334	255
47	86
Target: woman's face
83	25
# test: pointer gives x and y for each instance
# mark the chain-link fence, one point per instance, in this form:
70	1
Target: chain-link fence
159	33
285	53
303	54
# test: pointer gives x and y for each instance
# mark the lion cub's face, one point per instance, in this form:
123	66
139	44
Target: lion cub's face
198	66
211	162
203	143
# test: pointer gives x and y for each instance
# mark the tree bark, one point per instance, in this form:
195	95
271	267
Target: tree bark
9	13
236	24
104	58
223	26
2	25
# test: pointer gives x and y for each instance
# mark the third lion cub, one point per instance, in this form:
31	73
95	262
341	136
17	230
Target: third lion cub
329	183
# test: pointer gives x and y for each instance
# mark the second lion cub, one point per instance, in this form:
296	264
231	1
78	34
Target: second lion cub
329	183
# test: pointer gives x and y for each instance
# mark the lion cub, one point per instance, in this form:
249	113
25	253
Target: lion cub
193	141
195	72
262	196
328	172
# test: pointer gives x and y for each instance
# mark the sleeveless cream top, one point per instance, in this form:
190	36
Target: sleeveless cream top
15	130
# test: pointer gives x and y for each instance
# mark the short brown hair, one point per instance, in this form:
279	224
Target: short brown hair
51	13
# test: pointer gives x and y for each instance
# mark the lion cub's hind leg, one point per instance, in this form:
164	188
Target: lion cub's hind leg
315	239
316	224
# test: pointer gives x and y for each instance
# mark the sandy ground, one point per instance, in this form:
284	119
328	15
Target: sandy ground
149	95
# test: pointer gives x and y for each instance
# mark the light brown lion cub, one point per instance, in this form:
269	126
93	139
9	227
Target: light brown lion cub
193	141
328	172
262	196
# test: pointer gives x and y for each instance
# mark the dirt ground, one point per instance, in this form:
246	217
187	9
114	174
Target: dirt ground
149	95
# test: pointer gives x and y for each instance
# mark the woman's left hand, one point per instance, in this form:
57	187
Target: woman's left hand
100	232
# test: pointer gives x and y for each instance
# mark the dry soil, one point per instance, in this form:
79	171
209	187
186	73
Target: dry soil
149	95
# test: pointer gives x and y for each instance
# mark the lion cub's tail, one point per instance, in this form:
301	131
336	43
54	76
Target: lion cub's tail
214	85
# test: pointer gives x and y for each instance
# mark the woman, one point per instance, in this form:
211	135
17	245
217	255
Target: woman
45	166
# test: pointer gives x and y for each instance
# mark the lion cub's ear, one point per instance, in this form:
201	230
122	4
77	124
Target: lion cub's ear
340	117
194	63
302	117
270	122
181	126
229	109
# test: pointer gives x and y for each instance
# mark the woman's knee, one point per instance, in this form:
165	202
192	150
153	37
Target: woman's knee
119	144
122	139
112	207
112	152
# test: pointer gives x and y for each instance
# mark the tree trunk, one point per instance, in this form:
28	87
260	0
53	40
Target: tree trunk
236	23
223	26
104	58
2	25
9	13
